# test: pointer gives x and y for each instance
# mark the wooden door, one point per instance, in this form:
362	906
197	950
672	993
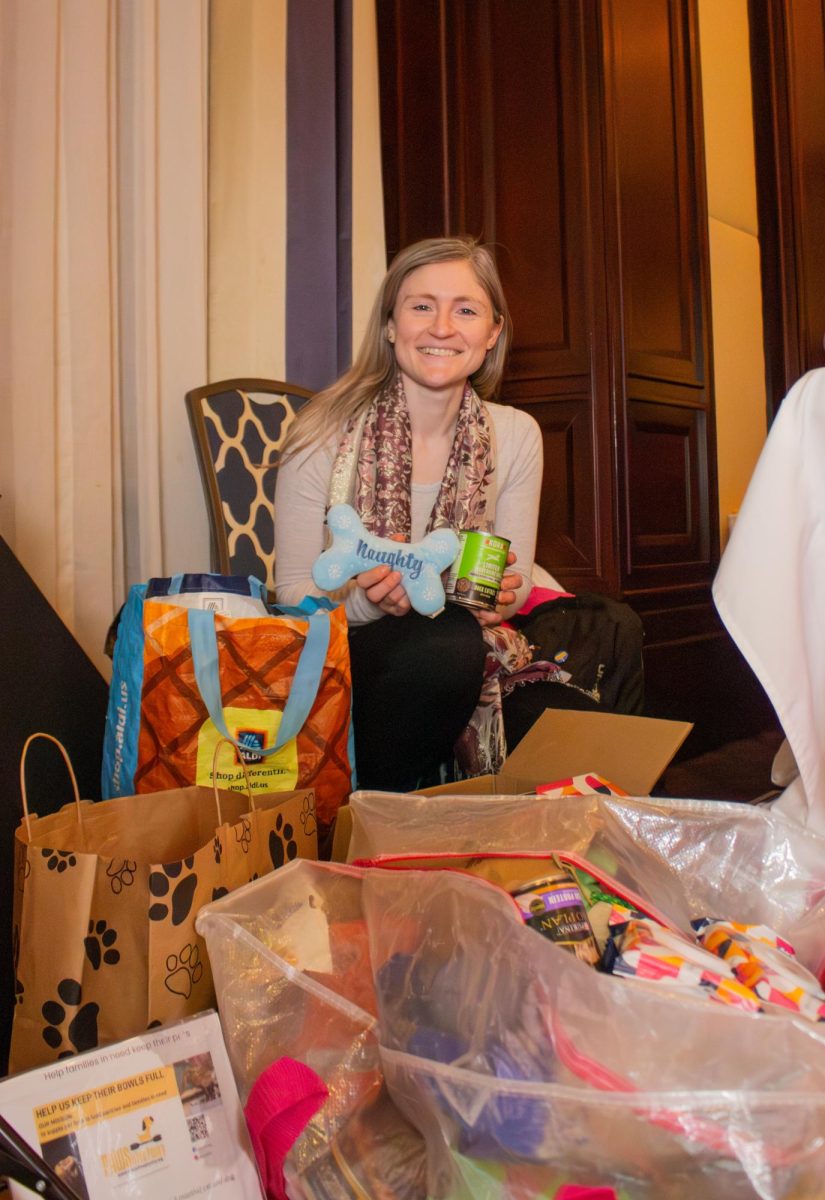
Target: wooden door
788	63
491	127
568	134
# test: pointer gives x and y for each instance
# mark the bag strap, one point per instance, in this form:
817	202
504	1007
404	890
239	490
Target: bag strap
222	741
48	737
309	605
305	684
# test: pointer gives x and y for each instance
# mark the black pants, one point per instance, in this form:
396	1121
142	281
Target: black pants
415	684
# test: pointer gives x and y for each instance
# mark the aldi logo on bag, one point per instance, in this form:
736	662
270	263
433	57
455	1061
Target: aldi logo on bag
256	730
252	742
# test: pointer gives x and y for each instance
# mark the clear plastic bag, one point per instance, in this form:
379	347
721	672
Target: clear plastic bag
293	978
690	858
520	1062
522	1068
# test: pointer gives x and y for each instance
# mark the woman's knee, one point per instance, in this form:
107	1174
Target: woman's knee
450	654
443	655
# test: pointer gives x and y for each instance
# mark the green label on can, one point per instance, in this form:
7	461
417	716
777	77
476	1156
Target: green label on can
475	576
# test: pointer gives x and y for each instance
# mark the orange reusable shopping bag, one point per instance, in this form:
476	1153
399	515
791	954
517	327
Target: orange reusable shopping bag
187	671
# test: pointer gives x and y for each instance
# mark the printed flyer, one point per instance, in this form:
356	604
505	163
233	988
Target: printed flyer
158	1115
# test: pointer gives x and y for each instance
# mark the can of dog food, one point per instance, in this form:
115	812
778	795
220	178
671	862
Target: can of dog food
554	907
475	576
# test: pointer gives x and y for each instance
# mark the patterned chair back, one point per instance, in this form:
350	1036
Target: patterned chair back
238	426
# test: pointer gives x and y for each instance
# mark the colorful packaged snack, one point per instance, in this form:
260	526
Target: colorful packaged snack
642	950
763	961
579	785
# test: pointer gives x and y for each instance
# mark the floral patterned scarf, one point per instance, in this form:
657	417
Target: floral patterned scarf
373	468
373	472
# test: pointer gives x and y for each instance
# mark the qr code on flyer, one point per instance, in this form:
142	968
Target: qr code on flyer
198	1128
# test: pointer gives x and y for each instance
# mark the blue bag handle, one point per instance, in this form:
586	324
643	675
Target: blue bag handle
305	684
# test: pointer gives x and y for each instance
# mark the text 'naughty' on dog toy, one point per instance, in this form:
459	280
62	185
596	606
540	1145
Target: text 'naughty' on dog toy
353	550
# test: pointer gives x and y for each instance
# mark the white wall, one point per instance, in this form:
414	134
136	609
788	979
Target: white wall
736	292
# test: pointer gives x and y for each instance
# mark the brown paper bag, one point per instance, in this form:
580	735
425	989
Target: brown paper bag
105	899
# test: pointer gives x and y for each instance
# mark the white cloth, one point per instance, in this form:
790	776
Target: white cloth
543	579
770	587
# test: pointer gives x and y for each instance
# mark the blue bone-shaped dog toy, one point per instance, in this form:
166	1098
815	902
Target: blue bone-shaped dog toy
353	550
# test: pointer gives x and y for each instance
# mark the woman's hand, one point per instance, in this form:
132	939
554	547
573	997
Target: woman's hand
510	583
383	587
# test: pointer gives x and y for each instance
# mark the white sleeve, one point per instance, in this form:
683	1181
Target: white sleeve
301	491
519	455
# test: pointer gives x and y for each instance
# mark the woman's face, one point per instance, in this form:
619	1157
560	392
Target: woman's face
442	326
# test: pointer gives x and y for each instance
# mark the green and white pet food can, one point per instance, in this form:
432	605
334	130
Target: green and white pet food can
475	576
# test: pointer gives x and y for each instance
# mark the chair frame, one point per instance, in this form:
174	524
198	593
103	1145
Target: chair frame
217	530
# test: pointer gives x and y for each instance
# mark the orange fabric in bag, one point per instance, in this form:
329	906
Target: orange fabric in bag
257	659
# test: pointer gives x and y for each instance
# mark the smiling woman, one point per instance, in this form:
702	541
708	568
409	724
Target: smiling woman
408	437
442	328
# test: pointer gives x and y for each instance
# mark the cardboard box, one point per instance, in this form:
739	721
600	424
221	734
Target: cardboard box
631	752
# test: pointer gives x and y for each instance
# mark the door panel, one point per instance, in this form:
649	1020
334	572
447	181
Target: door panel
569	136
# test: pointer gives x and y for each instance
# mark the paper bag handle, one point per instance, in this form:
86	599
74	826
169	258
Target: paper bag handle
226	742
67	761
305	682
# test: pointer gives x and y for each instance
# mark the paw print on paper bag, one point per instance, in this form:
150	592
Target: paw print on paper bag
121	872
282	846
184	970
99	945
308	822
243	834
59	860
174	887
81	1032
19	989
22	871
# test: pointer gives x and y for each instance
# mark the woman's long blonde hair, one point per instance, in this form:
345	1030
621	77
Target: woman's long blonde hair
374	366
